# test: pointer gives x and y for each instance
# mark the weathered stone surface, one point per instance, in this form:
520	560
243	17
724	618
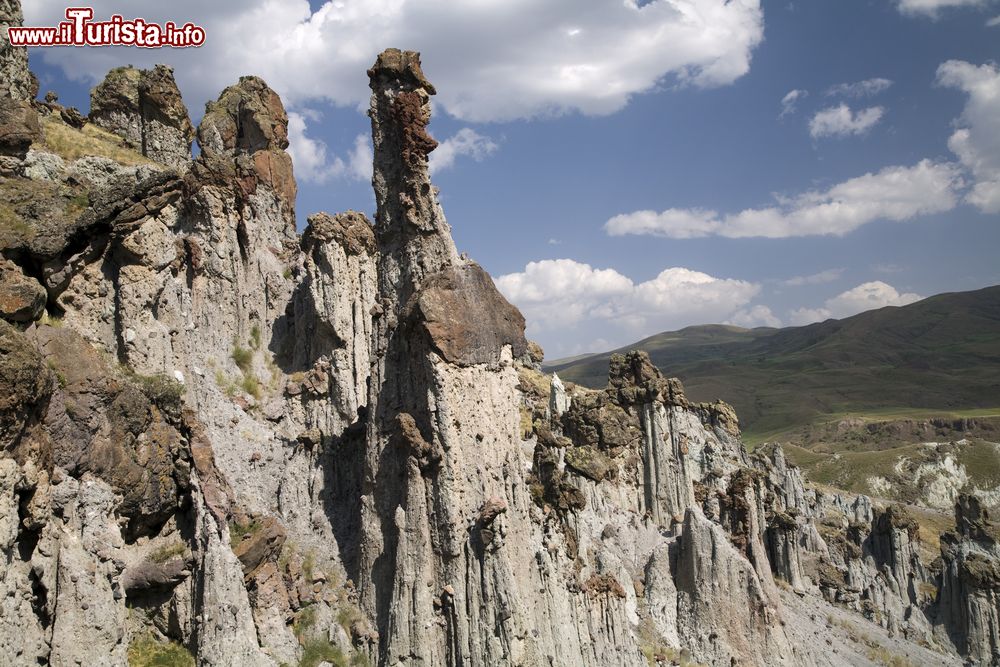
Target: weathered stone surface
262	543
352	231
558	399
16	81
468	320
589	462
144	107
27	384
19	127
22	299
724	612
147	575
247	118
969	597
108	426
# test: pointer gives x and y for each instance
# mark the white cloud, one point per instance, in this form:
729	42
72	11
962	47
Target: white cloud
993	22
567	303
310	156
820	278
976	142
790	101
802	316
895	193
867	296
931	8
840	121
490	60
464	142
314	163
756	316
865	88
675	223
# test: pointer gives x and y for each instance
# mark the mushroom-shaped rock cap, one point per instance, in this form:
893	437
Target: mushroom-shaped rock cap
246	118
403	67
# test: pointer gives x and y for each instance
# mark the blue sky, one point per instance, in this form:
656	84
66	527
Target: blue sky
623	170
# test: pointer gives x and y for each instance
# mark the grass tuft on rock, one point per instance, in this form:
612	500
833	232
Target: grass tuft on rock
147	651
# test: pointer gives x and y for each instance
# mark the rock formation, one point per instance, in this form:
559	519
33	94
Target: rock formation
16	80
969	598
222	437
144	108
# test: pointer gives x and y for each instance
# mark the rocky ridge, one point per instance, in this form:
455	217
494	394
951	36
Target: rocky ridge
225	438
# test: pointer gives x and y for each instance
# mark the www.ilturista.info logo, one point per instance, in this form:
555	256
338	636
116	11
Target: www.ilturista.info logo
79	30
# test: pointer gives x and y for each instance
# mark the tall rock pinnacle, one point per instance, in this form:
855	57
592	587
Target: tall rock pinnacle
441	328
413	234
15	78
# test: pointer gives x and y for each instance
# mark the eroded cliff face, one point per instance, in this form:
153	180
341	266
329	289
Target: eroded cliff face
144	108
260	447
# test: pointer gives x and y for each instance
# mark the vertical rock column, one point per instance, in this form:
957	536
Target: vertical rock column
144	108
443	443
969	599
16	80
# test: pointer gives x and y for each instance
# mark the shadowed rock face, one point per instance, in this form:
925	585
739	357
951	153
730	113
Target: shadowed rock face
144	108
969	598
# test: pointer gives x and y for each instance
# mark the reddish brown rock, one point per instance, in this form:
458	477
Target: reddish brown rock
19	127
22	299
468	320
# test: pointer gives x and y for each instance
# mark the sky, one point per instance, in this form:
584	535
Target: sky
623	168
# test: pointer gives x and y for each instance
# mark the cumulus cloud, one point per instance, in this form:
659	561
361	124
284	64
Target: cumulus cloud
894	193
840	121
464	142
789	102
490	60
675	223
753	317
865	88
819	278
932	8
976	142
568	303
314	164
867	296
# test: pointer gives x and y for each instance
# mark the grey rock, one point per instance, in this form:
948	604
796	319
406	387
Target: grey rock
144	107
16	81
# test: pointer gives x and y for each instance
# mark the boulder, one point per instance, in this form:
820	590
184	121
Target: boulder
19	127
22	299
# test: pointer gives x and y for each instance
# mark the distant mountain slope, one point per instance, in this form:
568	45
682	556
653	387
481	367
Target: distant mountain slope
939	354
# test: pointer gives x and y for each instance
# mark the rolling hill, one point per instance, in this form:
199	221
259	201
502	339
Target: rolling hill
936	357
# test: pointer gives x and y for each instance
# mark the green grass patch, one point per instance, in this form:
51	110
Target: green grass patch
238	530
317	650
251	385
161	389
146	651
167	552
243	357
72	144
